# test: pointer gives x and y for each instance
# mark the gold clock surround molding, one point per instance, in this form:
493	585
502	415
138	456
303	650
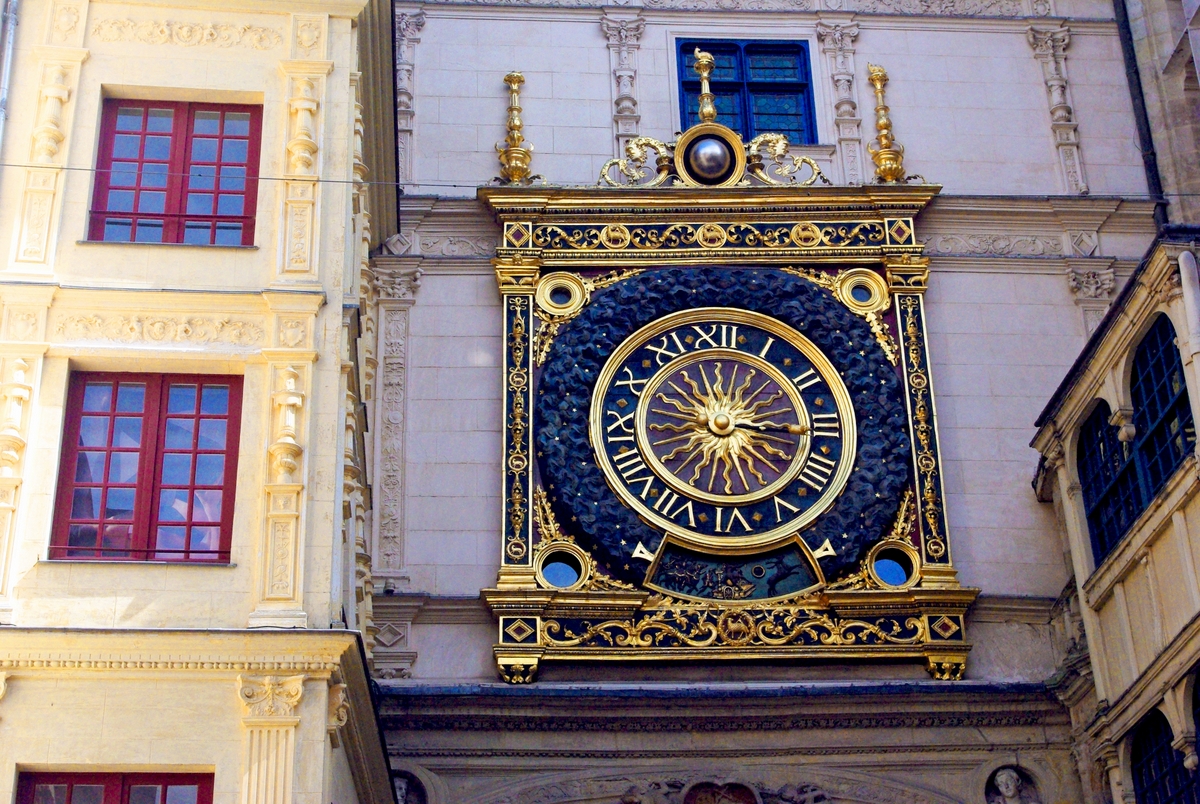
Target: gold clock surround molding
558	247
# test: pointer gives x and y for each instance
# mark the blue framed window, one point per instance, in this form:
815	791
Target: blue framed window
759	87
1119	479
1158	773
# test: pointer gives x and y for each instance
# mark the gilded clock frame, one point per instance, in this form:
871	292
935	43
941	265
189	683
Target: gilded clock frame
586	239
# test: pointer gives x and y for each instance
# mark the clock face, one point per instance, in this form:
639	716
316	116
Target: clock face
725	428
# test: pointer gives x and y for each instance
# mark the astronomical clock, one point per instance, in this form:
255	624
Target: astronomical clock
720	435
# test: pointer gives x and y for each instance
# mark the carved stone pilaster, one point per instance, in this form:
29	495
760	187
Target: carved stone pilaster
397	282
269	743
1092	283
1050	49
837	43
305	91
624	36
408	27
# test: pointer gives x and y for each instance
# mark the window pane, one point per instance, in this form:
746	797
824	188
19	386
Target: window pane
214	399
233	179
157	148
149	232
202	177
124	174
725	58
120	200
234	151
207	123
154	175
85	504
179	433
229	234
207	506
117	537
777	66
97	397
212	434
127	432
152	202
172	505
204	150
93	431
237	124
171	538
210	470
117	231
160	120
118	504
206	538
123	467
87	794
129	118
177	469
199	204
82	536
89	467
131	397
144	794
230	205
197	233
127	146
181	399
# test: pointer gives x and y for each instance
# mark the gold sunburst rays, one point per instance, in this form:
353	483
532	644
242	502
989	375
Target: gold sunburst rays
724	429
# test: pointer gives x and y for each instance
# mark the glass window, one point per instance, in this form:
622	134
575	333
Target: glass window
161	160
114	788
149	467
759	87
1158	773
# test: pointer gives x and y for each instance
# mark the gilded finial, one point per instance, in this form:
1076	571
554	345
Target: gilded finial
704	67
889	156
515	155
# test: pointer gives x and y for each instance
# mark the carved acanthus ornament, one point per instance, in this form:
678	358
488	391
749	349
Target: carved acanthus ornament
270	696
397	283
1091	283
408	27
624	38
269	748
339	712
837	43
1050	49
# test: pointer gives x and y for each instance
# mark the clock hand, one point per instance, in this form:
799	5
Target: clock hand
794	429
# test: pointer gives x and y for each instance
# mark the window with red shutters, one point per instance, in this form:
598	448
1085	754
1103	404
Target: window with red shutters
149	466
177	173
115	788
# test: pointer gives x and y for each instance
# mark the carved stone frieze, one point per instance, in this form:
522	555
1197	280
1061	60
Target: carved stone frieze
1050	49
408	29
624	35
158	329
1091	283
186	34
1000	245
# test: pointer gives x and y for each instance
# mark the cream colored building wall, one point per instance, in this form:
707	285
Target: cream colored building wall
72	305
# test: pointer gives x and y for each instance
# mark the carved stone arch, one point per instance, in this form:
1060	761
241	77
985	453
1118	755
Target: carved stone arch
666	785
1176	706
436	791
1122	371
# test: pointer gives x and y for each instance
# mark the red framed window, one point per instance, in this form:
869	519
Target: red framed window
149	467
177	173
115	788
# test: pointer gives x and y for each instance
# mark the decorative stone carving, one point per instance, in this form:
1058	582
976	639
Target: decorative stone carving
64	22
837	43
186	34
1091	283
285	450
968	8
624	36
14	396
1011	786
159	329
408	26
308	36
955	8
1084	243
397	286
270	696
305	87
1050	49
995	245
339	712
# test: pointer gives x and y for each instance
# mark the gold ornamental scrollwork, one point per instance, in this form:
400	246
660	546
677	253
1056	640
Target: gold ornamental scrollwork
922	424
517	547
777	146
841	286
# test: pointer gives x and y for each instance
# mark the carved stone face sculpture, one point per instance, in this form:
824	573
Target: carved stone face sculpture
1009	784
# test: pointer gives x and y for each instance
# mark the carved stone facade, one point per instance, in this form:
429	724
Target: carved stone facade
837	43
624	35
1050	49
408	30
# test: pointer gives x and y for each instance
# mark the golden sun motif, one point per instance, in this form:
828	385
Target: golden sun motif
735	432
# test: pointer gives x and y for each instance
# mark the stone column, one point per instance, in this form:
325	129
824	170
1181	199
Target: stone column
624	36
397	281
408	27
1050	48
269	744
837	43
